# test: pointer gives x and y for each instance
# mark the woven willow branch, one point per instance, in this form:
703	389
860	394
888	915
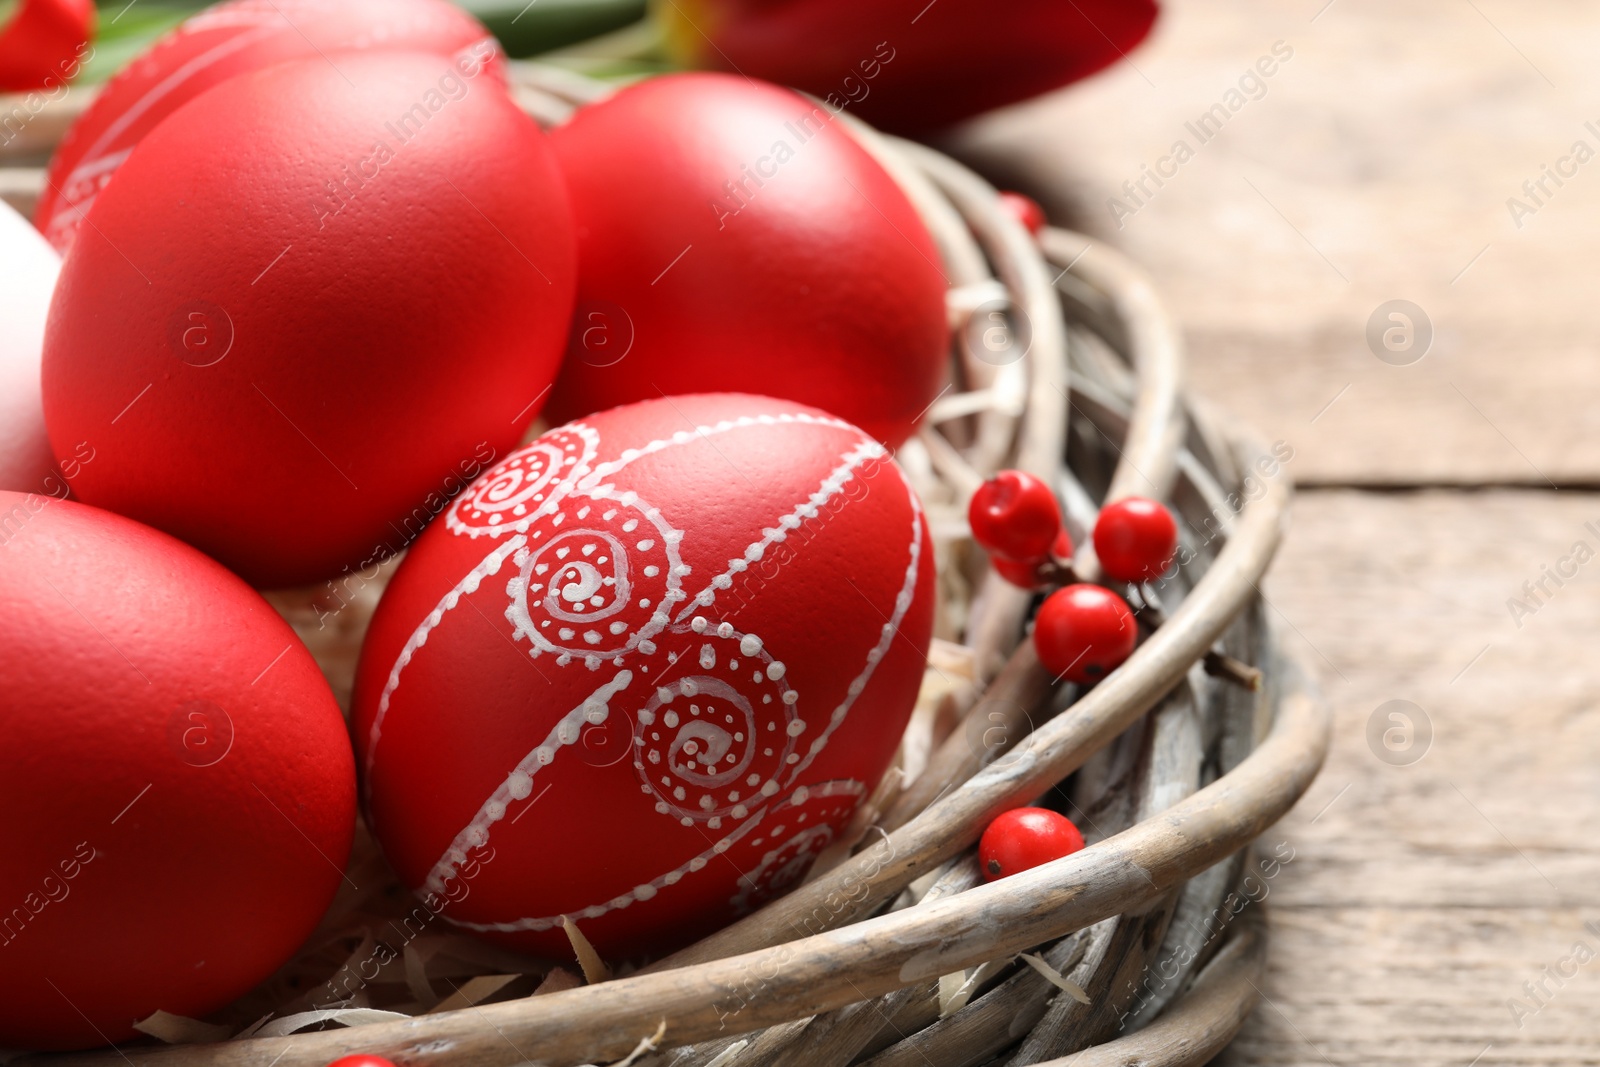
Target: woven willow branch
1203	1022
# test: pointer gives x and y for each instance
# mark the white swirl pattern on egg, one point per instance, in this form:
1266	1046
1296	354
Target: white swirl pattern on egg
718	740
599	585
526	485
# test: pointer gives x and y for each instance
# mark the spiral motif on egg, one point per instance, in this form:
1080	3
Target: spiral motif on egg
528	484
797	830
717	738
782	867
598	579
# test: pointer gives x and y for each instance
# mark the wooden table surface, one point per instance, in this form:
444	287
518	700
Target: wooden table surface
1436	910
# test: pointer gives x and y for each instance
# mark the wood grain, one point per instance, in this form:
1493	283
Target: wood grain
1376	165
1422	897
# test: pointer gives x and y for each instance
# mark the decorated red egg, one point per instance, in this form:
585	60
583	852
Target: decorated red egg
177	782
643	671
311	299
733	236
28	269
223	42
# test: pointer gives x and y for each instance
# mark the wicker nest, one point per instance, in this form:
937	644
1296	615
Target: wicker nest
1142	948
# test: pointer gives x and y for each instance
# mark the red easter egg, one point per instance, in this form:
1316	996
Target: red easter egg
177	782
43	43
733	237
223	42
643	671
313	305
28	269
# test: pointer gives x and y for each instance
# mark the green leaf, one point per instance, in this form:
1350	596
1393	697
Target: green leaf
523	28
526	29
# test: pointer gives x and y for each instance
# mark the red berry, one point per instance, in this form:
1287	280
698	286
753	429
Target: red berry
1022	575
1135	539
1083	632
1015	515
1023	838
1027	575
361	1059
1025	210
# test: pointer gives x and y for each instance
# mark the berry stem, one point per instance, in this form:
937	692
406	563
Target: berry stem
1217	663
1221	665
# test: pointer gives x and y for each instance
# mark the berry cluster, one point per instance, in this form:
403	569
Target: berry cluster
1082	631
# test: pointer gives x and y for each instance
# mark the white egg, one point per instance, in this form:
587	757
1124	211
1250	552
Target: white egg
28	269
